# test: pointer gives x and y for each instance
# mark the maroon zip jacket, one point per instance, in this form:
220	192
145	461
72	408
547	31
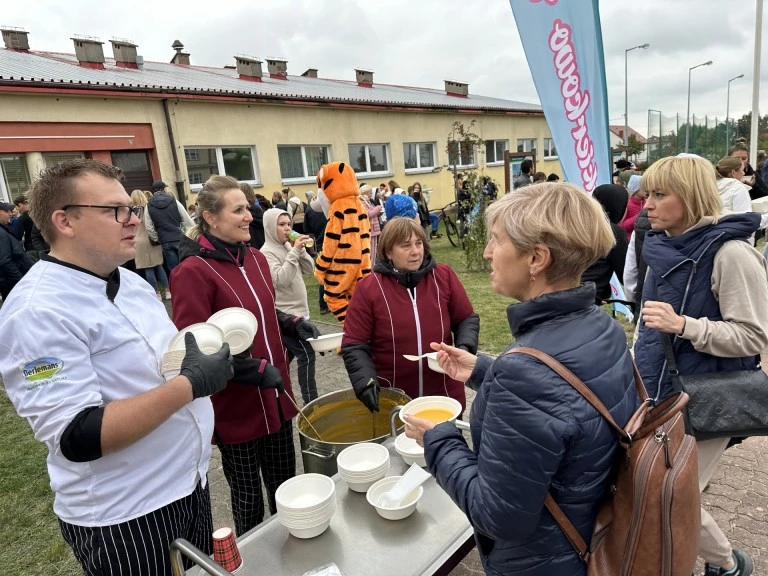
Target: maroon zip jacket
208	280
385	320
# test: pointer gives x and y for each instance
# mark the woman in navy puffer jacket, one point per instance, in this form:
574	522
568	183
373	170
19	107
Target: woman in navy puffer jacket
532	432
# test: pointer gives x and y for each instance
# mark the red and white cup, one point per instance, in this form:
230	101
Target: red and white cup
225	551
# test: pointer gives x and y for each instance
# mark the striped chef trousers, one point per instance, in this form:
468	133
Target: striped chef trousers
139	547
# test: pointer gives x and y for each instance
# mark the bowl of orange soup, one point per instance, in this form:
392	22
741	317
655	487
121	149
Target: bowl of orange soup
437	409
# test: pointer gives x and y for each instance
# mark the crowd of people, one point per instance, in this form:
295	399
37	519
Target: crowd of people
679	237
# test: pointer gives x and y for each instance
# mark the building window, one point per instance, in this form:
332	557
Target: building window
462	154
369	159
419	156
14	176
549	149
53	159
239	162
298	163
526	145
494	151
192	154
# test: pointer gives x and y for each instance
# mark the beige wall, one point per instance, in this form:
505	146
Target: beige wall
267	126
198	123
63	108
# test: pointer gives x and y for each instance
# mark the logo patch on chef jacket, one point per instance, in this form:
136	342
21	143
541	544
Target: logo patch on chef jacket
41	368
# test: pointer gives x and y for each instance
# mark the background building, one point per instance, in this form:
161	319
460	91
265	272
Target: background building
183	123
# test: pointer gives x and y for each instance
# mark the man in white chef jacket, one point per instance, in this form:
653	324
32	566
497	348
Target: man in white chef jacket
83	340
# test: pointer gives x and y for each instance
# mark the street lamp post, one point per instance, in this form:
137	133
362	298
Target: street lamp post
688	114
728	111
626	97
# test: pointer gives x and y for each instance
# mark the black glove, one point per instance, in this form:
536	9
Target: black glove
369	396
258	372
305	329
208	373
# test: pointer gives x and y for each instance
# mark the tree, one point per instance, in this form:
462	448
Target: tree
634	146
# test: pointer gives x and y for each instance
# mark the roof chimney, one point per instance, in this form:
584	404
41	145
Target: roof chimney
457	88
278	68
124	52
180	57
15	38
364	77
89	51
310	73
248	67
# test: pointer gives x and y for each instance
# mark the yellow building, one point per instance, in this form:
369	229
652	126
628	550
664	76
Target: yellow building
181	123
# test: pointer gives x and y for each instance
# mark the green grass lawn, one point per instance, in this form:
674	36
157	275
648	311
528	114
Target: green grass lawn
30	541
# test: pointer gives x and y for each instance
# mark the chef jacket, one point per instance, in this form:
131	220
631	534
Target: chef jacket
67	347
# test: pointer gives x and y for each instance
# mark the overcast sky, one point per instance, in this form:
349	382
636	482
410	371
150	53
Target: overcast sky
422	42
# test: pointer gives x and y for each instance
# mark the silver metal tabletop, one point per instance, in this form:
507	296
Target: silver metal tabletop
430	541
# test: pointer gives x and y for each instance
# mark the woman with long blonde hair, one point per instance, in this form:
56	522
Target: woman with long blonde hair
149	258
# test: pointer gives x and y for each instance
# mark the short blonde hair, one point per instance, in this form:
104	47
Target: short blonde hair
138	198
561	217
690	178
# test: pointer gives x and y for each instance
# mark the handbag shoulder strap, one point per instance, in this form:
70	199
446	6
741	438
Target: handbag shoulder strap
571	378
568	529
669	354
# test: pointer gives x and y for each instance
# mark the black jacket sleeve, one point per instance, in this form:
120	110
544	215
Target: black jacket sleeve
359	364
81	441
467	333
9	271
618	254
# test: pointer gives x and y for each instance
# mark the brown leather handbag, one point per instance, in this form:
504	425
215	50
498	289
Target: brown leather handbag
649	524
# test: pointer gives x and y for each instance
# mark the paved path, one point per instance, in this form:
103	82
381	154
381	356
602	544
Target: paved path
737	496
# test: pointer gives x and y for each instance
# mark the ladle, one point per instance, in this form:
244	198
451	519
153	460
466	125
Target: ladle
305	418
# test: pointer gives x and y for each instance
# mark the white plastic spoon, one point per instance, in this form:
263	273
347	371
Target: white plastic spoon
414	477
413	358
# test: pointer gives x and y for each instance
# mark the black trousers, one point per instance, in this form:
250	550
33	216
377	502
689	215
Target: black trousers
305	366
141	546
272	457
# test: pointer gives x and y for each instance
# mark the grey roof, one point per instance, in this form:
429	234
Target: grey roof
53	69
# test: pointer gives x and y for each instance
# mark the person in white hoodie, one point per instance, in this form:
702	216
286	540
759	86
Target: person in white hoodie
288	261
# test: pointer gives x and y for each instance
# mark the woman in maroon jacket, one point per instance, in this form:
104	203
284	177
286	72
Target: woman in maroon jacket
252	415
408	302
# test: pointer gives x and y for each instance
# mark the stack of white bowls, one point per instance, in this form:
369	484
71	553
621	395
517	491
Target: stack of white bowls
305	504
361	465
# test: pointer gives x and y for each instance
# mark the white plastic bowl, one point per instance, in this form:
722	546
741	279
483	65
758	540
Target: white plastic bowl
433	402
305	493
760	205
303	519
312	532
361	460
209	338
327	342
238	325
411	452
403	510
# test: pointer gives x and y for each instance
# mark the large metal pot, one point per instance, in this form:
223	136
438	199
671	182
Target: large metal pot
342	420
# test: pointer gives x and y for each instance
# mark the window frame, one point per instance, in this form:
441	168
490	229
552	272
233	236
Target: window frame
546	151
421	169
524	151
5	192
308	178
464	166
255	183
368	173
497	161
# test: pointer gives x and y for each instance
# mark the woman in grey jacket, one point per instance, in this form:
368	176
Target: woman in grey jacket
288	262
533	434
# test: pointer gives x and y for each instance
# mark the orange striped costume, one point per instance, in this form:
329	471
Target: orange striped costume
346	255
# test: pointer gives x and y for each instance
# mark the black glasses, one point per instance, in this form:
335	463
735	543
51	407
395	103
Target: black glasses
122	213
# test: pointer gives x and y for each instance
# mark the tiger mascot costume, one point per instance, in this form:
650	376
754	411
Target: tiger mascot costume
346	254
